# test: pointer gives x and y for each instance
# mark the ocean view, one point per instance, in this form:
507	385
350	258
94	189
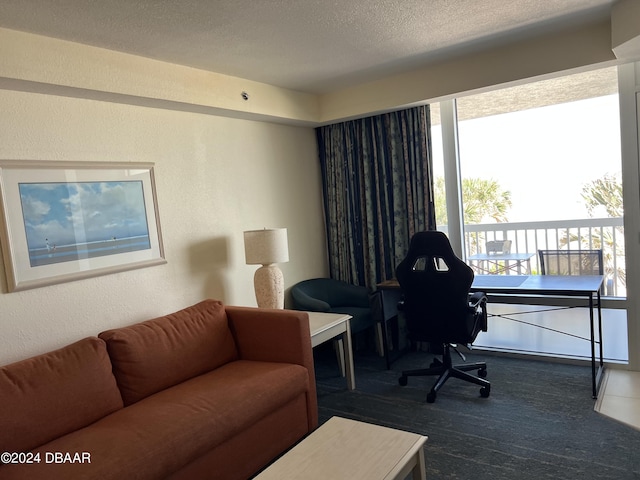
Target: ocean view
66	253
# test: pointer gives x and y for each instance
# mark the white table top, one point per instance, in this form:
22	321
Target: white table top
343	448
320	321
573	285
518	257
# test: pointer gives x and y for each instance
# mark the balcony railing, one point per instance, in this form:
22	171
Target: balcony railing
529	237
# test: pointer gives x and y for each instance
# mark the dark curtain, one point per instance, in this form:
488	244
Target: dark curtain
378	191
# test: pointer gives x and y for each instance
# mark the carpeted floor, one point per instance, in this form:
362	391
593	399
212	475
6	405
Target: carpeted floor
538	422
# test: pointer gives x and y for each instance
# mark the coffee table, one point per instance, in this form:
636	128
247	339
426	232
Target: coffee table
348	449
327	326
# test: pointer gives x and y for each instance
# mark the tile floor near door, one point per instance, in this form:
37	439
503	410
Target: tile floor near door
620	396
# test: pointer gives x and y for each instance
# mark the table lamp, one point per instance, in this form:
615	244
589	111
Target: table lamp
267	247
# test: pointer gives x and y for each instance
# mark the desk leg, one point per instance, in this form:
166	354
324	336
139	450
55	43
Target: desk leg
380	340
387	350
385	305
339	347
601	363
348	358
600	330
594	390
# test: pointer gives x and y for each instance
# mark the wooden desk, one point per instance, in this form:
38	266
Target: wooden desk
580	286
347	449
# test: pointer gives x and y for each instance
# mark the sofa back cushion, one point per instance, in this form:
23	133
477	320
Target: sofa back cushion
154	355
45	397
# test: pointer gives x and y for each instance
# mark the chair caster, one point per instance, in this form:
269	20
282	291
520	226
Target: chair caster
482	373
403	380
485	391
431	397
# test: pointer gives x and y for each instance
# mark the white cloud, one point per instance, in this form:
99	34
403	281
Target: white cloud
34	210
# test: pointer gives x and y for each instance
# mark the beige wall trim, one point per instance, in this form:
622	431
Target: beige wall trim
70	69
44	65
580	47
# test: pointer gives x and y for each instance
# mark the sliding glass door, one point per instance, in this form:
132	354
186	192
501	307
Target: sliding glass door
539	167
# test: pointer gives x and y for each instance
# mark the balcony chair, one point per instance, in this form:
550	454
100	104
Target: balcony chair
498	246
571	262
439	308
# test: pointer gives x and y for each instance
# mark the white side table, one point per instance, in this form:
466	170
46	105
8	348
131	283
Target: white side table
328	326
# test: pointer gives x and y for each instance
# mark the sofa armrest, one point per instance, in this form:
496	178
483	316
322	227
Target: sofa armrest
271	335
276	336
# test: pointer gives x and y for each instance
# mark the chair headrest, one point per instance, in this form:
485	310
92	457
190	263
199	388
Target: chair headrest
433	243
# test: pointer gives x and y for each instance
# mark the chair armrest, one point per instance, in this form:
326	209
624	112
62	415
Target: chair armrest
478	302
305	302
476	298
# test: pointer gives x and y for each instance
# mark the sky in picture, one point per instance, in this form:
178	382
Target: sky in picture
76	213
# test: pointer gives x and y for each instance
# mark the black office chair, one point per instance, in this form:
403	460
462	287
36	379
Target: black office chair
571	262
439	308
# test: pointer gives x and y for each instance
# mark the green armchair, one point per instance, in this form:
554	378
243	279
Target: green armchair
335	296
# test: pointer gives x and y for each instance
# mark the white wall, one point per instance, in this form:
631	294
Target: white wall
216	177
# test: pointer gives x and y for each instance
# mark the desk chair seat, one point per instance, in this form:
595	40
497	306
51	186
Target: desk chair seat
439	308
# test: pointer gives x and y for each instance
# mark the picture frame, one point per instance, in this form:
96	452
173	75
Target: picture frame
66	221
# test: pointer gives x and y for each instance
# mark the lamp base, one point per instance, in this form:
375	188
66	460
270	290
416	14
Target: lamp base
268	282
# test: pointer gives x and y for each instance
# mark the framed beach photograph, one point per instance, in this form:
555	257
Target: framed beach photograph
65	221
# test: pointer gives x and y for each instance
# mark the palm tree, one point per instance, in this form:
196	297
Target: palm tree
603	197
604	192
481	199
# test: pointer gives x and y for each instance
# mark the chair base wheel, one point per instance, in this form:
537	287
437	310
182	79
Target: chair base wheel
485	391
403	380
431	397
482	373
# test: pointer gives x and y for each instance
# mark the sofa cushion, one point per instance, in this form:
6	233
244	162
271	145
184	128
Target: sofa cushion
166	431
159	353
50	395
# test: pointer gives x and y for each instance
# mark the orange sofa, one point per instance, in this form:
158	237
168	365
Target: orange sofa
209	392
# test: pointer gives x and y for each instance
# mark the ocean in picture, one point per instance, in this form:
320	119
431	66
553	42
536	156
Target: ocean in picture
64	253
71	221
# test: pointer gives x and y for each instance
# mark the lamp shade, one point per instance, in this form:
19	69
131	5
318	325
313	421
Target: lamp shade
263	247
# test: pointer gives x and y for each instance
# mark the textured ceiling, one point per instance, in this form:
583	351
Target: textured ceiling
307	45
